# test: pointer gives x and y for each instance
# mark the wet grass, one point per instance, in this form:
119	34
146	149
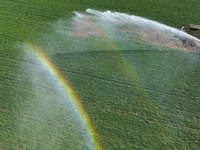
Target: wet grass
34	115
136	99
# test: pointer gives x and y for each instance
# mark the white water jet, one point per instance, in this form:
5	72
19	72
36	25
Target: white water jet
96	30
123	18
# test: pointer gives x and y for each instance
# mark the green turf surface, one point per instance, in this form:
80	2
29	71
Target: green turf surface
145	106
135	99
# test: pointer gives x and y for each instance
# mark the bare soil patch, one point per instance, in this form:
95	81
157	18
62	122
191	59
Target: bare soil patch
0	146
166	39
85	27
4	109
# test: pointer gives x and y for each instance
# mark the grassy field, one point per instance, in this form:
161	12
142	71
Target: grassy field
146	105
137	96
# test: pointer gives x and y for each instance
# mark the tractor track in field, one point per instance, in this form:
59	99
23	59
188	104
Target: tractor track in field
117	83
107	79
140	87
139	117
103	79
129	142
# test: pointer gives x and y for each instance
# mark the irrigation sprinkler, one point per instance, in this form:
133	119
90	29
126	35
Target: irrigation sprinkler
194	29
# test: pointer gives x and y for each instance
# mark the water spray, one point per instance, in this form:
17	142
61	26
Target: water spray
123	18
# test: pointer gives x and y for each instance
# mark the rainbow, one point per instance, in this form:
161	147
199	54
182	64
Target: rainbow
65	83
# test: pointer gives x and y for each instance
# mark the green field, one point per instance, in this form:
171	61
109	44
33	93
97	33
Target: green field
137	95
